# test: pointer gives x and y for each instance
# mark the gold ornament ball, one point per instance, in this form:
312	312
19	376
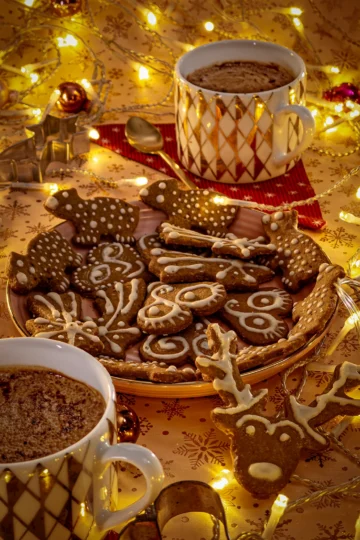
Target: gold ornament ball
65	8
4	93
72	98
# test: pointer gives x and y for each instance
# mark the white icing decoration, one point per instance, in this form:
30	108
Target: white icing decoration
160	198
51	203
99	273
162	185
93	224
166	344
250	430
65	194
19	263
284	437
154	310
278	216
265	471
274	226
21	278
144	192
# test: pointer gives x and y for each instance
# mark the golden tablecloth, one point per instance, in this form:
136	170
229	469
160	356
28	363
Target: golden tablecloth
180	432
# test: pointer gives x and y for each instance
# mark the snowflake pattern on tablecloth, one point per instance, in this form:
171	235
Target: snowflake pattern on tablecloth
281	531
173	408
125	399
327	501
322	457
338	237
7	233
145	425
14	210
203	448
333	532
320	377
37	229
167	464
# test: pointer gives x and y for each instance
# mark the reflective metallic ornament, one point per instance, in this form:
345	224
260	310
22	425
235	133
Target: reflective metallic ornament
345	91
4	93
73	98
65	8
128	426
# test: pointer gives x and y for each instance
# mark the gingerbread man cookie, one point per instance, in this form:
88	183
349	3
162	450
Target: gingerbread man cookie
58	317
190	208
169	309
298	257
118	306
47	258
266	450
258	317
174	267
242	248
110	263
100	216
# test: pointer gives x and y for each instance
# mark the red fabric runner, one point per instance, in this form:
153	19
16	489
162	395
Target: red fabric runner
293	186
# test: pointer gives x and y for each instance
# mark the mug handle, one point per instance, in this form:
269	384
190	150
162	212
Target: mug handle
308	122
151	468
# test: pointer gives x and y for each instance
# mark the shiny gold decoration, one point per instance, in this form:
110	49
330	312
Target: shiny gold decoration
128	425
65	8
72	98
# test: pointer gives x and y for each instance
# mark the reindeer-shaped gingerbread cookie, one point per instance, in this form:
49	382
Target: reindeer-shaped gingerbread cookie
96	217
267	450
298	256
190	208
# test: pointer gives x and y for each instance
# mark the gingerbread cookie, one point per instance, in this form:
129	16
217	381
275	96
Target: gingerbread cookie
100	216
173	267
266	450
118	306
175	349
111	263
255	356
242	248
47	258
313	313
169	309
258	317
298	257
150	371
58	317
190	208
146	243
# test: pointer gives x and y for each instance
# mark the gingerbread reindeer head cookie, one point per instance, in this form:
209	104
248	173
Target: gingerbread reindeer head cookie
266	450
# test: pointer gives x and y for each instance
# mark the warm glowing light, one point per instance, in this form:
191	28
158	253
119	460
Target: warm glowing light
348	325
339	107
357	529
334	69
85	83
296	11
329	121
297	22
209	26
277	511
67	41
349	104
34	77
358	193
45	472
82	509
221	481
141	181
36	112
143	73
95	159
29	3
151	18
94	134
349	218
219	200
52	188
314	112
353	114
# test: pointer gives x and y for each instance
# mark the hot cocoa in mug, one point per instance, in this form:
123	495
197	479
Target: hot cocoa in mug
240	114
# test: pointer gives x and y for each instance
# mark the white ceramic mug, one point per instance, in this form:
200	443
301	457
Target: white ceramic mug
241	138
73	493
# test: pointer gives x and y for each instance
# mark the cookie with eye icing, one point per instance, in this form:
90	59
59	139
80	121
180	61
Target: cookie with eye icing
177	348
257	317
169	309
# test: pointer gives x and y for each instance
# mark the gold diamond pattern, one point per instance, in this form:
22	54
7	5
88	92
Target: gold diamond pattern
230	139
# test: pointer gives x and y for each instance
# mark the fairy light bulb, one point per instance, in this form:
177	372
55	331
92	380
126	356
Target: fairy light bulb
354	114
296	11
82	509
339	107
34	77
314	112
209	26
29	3
358	193
36	112
334	69
143	73
277	511
85	83
357	529
67	41
94	134
328	121
151	18
349	104
141	181
221	481
349	218
52	188
348	325
297	22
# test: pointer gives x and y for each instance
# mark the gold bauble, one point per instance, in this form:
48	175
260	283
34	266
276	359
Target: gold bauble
72	98
65	8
